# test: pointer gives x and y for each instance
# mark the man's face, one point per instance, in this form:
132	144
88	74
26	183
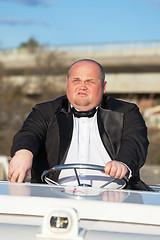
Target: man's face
84	86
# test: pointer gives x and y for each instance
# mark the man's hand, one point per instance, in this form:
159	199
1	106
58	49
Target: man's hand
20	166
115	169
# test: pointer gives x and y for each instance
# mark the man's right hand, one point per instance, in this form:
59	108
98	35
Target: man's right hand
20	166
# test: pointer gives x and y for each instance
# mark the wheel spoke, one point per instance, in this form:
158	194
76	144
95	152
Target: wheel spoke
77	176
107	183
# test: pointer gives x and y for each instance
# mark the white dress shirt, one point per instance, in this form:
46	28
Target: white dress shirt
86	147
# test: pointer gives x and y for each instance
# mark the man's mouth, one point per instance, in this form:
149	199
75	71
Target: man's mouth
82	94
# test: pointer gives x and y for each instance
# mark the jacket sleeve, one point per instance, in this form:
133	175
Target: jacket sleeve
33	132
134	142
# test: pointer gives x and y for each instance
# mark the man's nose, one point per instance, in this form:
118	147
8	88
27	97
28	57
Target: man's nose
83	86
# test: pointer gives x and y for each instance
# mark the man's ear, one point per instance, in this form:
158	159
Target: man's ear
104	86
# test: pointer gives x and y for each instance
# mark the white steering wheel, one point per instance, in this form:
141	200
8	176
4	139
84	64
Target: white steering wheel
44	177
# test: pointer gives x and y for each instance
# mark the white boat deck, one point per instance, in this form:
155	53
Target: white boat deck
114	211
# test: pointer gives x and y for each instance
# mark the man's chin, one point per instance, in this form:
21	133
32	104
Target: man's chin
82	105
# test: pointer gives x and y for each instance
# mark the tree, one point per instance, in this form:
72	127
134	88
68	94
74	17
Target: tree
31	45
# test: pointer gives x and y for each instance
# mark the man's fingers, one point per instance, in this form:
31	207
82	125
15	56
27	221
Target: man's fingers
16	176
107	168
116	169
9	175
21	178
113	170
10	171
124	172
13	177
118	173
20	166
26	175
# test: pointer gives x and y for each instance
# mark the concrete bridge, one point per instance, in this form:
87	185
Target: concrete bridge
132	68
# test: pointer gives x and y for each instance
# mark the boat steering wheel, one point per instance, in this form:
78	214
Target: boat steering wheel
44	177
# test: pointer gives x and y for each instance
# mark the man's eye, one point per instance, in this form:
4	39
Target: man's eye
90	82
75	80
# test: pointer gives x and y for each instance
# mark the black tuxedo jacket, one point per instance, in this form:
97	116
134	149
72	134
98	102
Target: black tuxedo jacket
47	133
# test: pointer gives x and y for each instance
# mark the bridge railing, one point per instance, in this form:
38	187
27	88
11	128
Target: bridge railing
93	47
106	46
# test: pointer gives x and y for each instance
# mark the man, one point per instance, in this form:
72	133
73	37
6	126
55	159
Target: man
49	135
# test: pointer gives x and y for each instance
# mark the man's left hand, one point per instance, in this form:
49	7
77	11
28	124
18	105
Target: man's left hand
115	169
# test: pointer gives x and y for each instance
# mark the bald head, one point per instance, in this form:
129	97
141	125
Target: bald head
101	71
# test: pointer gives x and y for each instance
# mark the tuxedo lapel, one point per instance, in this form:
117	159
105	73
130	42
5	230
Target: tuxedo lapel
110	125
65	125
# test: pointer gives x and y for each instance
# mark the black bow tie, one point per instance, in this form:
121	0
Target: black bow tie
79	114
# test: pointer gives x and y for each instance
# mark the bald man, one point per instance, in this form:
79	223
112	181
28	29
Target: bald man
84	126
